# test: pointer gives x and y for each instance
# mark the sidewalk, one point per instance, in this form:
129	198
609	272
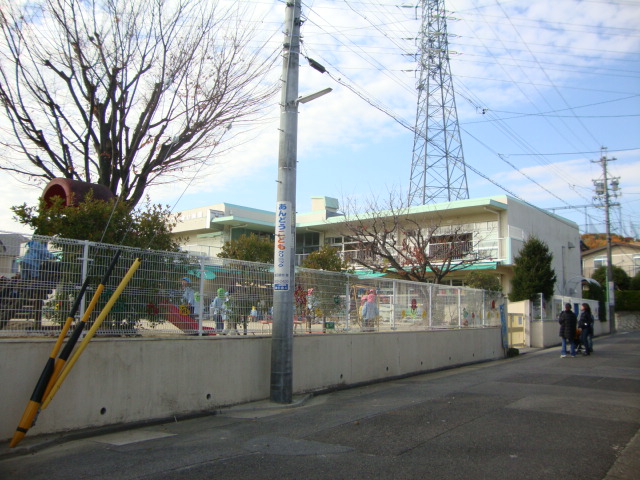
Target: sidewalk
535	416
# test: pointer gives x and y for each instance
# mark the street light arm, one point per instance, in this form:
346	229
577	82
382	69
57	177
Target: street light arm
313	96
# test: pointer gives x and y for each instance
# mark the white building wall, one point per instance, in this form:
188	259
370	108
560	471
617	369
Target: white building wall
561	236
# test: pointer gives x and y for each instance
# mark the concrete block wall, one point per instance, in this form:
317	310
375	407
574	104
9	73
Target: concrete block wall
546	334
627	321
130	380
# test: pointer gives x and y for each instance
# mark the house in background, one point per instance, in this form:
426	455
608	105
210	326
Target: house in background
496	227
623	255
10	252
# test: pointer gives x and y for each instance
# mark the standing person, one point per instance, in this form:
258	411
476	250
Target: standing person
218	310
568	324
363	301
586	324
37	253
370	312
188	300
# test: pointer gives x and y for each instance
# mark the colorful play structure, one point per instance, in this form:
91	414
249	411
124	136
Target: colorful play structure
184	322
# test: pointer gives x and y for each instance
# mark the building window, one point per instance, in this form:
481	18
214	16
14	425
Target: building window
636	265
599	262
307	242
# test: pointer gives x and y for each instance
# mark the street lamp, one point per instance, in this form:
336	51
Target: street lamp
313	96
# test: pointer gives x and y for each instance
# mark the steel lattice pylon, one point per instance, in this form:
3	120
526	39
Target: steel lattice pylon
438	170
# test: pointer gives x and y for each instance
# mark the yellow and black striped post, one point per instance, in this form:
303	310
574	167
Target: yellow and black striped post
53	366
29	415
90	334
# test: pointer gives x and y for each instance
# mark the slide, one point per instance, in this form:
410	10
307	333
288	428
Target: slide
186	323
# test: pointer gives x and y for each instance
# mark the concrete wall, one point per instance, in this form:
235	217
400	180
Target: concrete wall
541	334
128	380
627	321
546	334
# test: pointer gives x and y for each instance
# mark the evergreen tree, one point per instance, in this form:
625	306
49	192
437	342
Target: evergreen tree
117	223
327	258
250	248
483	281
533	273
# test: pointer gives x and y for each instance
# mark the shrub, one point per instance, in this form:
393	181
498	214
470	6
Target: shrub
620	277
628	301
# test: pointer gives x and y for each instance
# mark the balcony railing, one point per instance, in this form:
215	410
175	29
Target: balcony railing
487	250
455	250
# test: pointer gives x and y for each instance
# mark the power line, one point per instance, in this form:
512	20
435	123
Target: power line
374	19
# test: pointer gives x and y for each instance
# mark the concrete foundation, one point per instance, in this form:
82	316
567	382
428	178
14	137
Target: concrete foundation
131	380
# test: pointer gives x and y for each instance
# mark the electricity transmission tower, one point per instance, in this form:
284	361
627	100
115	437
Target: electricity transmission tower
438	171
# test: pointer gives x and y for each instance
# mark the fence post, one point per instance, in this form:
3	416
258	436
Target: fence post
430	304
84	274
393	306
201	298
347	306
484	308
459	311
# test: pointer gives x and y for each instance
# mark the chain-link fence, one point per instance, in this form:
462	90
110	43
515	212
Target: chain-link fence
179	293
404	305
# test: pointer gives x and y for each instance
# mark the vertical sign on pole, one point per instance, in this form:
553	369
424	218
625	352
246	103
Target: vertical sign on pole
284	245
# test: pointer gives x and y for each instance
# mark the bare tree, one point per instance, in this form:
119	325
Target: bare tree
122	93
390	237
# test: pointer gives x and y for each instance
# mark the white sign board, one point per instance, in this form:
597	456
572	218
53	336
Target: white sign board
284	242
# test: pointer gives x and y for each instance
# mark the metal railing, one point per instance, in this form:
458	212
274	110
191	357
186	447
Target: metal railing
220	296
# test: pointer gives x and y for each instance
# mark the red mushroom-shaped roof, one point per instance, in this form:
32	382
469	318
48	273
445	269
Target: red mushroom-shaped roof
74	191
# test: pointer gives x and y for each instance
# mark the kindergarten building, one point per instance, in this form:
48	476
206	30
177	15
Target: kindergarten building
495	229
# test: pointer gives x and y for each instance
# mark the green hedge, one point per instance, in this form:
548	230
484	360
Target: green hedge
628	300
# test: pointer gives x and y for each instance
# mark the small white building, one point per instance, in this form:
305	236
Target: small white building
496	226
10	252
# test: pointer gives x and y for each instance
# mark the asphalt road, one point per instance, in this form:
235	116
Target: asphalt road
536	416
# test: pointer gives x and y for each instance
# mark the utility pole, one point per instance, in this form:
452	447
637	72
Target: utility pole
603	194
285	230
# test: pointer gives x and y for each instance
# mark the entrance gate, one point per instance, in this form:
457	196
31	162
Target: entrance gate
515	328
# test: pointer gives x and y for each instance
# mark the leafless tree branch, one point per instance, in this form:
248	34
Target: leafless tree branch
394	239
125	93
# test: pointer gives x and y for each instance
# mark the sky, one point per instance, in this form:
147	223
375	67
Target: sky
540	87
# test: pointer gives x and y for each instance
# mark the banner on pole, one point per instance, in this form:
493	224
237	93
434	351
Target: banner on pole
284	242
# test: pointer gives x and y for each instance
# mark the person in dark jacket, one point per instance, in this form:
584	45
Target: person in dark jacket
586	325
568	324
